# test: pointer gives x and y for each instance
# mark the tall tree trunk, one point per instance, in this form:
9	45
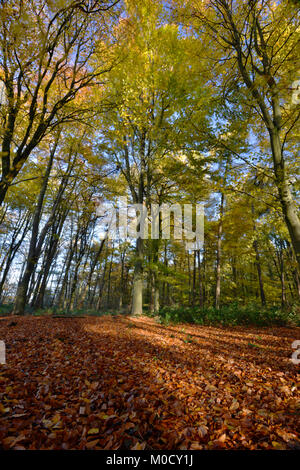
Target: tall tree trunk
109	279
87	294
137	296
279	265
295	271
271	116
32	258
259	275
137	291
38	301
12	251
282	276
102	284
287	203
189	273
257	260
273	122
194	278
297	282
151	290
121	294
153	278
156	294
200	283
204	273
219	249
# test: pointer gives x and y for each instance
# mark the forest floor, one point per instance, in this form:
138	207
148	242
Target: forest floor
131	383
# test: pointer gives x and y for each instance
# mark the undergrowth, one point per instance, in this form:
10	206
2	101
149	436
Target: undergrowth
231	315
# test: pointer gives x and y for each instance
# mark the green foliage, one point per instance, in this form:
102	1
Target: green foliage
231	315
53	311
5	309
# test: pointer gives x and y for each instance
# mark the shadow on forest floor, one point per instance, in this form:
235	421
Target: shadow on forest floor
123	382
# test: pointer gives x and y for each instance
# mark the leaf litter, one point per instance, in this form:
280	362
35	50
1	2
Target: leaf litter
129	383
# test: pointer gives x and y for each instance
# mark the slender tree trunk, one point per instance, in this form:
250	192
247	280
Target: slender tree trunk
204	273
153	278
194	279
297	282
109	279
295	272
219	249
137	293
92	294
13	249
165	283
189	273
21	296
200	283
137	296
68	262
234	276
151	291
92	268
156	295
38	301
283	289
122	281
101	288
282	278
259	275
257	261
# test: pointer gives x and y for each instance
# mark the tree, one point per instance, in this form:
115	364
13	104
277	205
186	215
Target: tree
258	55
43	77
158	92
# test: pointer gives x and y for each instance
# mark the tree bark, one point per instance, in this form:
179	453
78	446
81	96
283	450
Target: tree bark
32	257
137	295
257	261
219	250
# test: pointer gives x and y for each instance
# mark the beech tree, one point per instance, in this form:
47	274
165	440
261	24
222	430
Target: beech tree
45	63
152	86
190	104
257	55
